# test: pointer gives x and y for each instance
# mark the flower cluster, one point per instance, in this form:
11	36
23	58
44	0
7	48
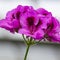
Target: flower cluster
37	24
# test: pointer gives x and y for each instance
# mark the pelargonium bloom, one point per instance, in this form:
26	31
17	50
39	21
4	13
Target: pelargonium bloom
32	25
53	30
24	20
44	15
7	25
13	18
54	35
37	24
52	25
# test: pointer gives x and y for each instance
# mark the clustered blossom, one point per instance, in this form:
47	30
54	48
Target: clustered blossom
37	24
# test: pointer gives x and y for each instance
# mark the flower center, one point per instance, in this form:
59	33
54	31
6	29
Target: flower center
44	14
16	16
50	26
39	23
30	21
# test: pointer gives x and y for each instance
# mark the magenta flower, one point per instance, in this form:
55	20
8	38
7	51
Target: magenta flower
32	25
7	25
44	15
53	30
54	35
13	18
37	24
17	12
15	15
24	20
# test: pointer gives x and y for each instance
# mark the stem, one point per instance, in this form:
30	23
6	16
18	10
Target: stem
28	46
24	39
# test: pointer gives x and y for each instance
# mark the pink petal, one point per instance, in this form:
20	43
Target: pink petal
6	24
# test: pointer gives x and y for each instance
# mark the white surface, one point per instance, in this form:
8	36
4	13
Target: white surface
16	51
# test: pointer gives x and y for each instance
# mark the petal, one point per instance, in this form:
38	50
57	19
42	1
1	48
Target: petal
39	34
24	31
55	35
27	8
43	12
42	23
16	23
55	22
6	25
10	15
15	13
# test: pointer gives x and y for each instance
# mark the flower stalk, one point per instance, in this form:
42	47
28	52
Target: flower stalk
28	44
27	50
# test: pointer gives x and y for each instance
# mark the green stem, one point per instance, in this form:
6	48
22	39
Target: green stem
28	46
24	39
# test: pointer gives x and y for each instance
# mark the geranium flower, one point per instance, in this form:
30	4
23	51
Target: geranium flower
54	35
37	24
6	25
53	30
13	17
44	15
31	25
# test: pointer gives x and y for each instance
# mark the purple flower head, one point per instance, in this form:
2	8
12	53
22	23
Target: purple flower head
54	35
14	15
45	16
31	25
7	25
53	24
17	12
53	30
